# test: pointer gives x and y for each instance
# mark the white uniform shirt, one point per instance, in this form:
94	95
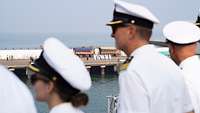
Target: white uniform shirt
191	71
65	108
15	96
152	83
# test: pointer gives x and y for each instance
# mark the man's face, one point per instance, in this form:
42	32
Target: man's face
120	34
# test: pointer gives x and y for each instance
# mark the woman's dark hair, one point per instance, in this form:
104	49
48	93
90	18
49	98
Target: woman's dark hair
69	94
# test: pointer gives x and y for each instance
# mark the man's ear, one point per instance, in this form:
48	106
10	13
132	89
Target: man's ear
172	49
132	30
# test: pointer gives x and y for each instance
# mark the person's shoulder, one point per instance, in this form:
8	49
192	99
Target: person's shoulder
147	57
163	58
65	108
196	60
169	64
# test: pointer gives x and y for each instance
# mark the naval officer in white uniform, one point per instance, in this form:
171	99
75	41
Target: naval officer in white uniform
149	82
182	38
15	96
60	78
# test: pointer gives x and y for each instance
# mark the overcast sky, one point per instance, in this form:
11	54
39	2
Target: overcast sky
80	16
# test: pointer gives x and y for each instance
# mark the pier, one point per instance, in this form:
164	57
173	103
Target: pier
102	67
101	61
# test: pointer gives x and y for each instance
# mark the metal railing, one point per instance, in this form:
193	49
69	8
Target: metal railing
112	104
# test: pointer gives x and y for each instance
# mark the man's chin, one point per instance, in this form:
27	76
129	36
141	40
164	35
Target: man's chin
117	47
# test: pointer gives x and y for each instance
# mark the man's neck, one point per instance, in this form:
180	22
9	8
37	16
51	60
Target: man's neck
182	57
185	52
132	46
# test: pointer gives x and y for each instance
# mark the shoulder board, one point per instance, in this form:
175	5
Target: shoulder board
125	65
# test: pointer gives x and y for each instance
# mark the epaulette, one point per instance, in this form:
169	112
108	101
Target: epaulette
124	65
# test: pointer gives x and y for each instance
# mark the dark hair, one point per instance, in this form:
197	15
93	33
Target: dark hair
80	99
144	32
68	93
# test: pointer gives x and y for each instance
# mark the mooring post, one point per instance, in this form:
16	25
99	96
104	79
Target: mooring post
103	70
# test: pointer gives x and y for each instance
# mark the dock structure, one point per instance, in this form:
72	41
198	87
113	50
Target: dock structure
98	61
95	67
89	62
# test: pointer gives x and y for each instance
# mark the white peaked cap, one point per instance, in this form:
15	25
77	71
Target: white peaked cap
135	10
67	64
132	13
181	32
15	97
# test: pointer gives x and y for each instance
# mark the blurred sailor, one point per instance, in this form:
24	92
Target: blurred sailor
182	38
15	96
149	82
59	78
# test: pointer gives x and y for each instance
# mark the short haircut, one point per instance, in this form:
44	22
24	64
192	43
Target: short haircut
144	32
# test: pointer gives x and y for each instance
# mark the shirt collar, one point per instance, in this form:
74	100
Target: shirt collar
142	49
61	106
188	61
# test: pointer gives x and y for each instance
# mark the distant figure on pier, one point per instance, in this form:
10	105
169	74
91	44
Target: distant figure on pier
59	78
182	38
15	96
149	82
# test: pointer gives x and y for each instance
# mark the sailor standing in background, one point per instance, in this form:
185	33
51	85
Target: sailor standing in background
182	38
149	82
15	96
59	78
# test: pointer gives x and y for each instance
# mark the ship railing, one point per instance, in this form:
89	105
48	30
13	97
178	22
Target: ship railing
112	104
